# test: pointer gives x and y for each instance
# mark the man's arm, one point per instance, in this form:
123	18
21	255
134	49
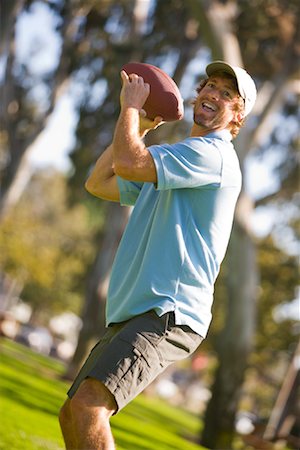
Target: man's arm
102	181
132	160
127	156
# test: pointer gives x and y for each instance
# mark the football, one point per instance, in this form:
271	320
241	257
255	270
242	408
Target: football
164	99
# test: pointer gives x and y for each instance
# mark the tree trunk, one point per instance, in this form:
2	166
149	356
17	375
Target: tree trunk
9	11
235	342
93	314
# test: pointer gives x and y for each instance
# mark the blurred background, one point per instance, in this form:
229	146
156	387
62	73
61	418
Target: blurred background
60	84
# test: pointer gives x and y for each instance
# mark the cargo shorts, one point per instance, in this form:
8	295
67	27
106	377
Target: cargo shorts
132	354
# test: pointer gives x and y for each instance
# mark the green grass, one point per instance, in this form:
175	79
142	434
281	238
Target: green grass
31	393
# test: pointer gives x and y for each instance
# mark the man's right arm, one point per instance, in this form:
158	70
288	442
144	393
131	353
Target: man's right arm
102	182
131	128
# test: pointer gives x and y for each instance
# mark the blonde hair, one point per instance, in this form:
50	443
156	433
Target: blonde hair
238	106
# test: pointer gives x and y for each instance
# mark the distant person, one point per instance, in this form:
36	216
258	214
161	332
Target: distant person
162	282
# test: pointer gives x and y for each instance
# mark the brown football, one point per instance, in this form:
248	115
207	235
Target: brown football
164	99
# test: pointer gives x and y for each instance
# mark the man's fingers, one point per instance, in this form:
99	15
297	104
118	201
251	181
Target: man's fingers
134	91
134	77
124	76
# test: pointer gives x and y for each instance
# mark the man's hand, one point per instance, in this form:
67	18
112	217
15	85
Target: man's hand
134	94
134	91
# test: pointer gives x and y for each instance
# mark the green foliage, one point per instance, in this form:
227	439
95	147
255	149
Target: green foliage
276	341
47	245
279	280
32	393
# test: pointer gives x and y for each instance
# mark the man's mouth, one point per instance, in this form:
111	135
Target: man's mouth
207	106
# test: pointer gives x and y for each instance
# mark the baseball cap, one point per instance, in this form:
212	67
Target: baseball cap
245	83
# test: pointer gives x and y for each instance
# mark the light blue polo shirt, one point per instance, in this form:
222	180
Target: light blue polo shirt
176	238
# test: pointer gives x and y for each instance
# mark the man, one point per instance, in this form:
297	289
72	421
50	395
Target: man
162	281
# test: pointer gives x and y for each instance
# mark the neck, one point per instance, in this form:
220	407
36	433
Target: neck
200	130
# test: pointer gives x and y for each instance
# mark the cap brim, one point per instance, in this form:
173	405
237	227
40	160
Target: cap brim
219	66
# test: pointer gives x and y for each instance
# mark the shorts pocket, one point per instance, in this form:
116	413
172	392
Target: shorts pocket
139	366
141	346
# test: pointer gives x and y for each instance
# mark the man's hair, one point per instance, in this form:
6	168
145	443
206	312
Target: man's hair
239	105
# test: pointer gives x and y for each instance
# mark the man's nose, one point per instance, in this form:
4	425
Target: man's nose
215	94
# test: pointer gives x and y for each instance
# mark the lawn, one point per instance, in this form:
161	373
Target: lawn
31	393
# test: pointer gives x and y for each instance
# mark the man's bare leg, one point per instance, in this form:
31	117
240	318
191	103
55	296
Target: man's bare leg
87	426
66	425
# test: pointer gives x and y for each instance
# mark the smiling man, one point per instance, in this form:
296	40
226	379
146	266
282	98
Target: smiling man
162	282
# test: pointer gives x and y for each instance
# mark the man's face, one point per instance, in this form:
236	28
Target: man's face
214	108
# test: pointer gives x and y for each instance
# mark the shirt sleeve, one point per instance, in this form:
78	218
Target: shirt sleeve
129	191
188	164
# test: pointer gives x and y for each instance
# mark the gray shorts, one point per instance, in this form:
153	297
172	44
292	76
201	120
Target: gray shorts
132	354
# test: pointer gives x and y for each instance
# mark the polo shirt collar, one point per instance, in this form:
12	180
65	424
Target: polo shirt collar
224	135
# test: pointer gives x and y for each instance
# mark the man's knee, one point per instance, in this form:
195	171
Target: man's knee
91	395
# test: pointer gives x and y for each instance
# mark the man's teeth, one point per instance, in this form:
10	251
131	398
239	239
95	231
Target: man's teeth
209	106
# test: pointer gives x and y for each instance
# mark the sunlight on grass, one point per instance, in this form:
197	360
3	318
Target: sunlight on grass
31	393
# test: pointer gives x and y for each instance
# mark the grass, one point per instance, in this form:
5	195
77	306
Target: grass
31	393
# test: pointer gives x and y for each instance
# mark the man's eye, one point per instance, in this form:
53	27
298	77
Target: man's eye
227	94
210	84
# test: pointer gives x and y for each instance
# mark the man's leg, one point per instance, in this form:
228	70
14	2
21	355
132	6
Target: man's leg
127	359
85	418
66	425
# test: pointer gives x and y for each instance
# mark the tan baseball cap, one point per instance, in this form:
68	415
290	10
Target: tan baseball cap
245	83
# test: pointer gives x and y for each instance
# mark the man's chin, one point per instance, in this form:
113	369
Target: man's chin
198	120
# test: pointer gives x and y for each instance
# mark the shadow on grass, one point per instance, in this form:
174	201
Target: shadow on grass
33	398
31	363
176	418
156	425
25	382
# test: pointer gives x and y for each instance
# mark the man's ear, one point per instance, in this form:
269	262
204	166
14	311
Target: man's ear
239	116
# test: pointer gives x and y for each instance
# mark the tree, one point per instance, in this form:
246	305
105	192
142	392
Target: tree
46	247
